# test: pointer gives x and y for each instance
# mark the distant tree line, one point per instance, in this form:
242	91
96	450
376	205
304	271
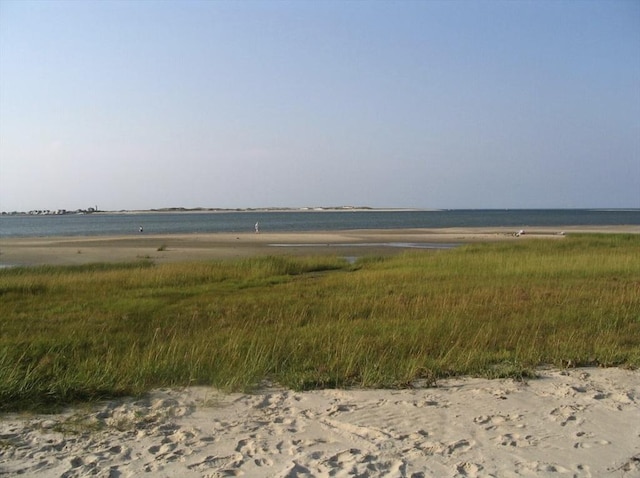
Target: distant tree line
51	212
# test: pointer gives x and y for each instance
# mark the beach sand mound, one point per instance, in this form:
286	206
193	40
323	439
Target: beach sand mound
579	422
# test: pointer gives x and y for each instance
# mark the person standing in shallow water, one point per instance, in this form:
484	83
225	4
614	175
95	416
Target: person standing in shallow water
257	227
141	229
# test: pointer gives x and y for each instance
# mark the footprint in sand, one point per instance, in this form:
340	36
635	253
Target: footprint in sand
340	408
632	465
482	420
296	470
515	440
263	462
468	469
567	414
218	462
583	443
458	446
290	447
162	449
492	422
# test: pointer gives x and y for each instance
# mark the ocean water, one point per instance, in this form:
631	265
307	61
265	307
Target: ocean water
292	221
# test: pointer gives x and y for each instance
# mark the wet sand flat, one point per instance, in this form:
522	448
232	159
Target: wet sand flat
198	247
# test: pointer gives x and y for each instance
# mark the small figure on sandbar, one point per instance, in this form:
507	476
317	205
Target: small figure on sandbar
141	229
257	228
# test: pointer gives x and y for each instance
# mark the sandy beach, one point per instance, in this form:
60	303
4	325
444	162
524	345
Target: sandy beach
578	422
197	247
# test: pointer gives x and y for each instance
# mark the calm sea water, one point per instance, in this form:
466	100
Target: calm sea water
181	223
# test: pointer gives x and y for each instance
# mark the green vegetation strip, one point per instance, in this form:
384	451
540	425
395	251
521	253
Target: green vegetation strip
85	333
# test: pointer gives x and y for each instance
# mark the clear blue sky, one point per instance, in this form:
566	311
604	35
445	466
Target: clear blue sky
427	104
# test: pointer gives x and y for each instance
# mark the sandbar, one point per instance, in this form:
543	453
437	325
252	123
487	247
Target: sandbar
158	248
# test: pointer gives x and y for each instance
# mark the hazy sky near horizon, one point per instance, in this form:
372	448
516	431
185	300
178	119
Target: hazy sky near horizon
427	104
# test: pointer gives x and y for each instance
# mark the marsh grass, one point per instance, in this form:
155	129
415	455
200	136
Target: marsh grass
83	333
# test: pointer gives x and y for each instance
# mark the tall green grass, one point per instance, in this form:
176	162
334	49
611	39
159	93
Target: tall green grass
502	309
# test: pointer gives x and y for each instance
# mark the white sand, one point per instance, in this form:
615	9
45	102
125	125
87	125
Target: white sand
580	422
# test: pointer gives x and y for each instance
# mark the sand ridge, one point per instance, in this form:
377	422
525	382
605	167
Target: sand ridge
577	422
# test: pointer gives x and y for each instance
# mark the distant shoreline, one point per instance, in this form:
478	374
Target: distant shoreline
171	210
213	210
180	210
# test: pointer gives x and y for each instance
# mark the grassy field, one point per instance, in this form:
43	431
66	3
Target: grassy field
83	333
